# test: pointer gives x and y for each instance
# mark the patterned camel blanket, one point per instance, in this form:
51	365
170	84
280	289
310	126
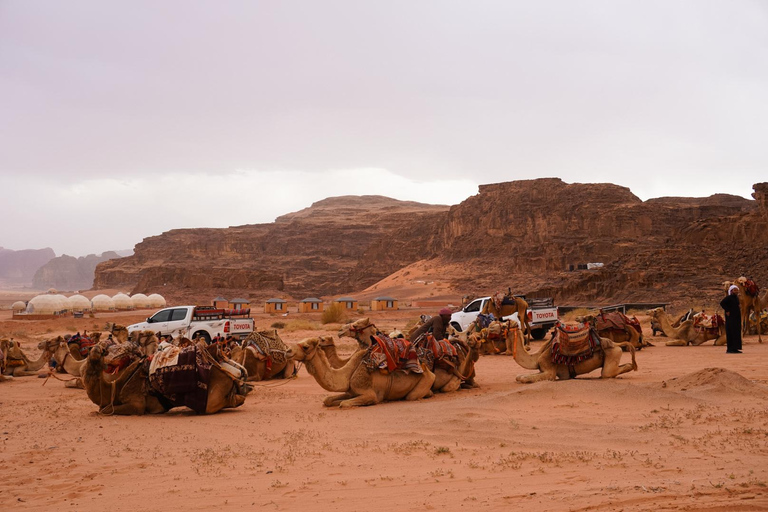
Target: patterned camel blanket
185	383
392	354
615	321
573	343
267	345
84	344
438	353
709	323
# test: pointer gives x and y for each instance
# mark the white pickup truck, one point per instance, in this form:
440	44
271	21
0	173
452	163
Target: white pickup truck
194	321
542	316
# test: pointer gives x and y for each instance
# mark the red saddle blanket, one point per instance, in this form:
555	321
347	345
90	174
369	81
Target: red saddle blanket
708	322
573	343
185	383
615	321
393	354
84	345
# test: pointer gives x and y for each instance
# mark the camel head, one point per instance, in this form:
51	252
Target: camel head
306	348
726	285
587	319
51	345
326	341
654	313
352	329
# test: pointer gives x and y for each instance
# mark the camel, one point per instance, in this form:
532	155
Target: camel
17	364
616	327
446	380
271	360
688	333
492	339
606	356
358	385
118	332
66	361
147	341
496	306
129	393
656	326
747	303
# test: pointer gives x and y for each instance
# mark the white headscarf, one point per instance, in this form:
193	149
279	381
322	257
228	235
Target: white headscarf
732	288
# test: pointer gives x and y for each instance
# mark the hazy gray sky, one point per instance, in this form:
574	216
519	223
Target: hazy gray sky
121	120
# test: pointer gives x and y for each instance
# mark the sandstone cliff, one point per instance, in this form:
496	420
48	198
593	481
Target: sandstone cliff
336	245
523	234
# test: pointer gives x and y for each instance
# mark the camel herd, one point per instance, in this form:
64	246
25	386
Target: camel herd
118	377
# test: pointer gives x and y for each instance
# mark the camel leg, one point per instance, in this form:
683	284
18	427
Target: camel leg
722	340
74	383
529	378
287	373
135	408
367	398
335	400
452	385
423	389
676	343
611	366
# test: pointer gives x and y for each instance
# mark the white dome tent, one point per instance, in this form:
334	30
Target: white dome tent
140	301
122	301
64	301
44	305
102	302
79	303
156	301
18	306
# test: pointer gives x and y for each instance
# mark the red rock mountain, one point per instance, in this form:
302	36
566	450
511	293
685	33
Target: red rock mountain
523	234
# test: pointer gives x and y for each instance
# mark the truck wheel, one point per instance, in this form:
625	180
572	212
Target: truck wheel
538	334
204	335
456	326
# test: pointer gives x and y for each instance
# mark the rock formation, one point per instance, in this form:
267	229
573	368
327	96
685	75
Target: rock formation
521	234
70	273
18	267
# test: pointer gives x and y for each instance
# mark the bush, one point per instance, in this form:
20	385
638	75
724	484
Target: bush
278	325
333	314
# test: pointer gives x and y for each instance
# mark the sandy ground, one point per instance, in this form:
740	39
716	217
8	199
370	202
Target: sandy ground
685	432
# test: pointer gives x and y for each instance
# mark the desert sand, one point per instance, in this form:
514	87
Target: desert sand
687	431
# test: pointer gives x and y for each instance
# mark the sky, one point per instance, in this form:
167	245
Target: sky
122	120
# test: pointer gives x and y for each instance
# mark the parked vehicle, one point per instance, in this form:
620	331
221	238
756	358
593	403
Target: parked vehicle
542	315
194	321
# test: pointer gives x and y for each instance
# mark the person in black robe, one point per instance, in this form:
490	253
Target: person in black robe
732	320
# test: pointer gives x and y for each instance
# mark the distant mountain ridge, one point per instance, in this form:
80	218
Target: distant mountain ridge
17	268
70	273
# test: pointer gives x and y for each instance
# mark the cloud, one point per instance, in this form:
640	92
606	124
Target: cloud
91	216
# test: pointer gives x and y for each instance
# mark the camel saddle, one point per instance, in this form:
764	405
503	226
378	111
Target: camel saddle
573	343
709	323
751	288
615	321
390	354
438	353
83	343
184	383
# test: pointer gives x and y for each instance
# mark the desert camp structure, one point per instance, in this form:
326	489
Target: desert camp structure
383	303
275	305
311	305
347	302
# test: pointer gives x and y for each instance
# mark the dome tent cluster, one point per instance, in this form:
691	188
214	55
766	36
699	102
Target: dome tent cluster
54	303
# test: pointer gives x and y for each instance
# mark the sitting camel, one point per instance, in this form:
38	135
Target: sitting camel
656	326
493	338
357	384
129	392
616	327
17	364
606	355
690	332
448	377
265	356
501	306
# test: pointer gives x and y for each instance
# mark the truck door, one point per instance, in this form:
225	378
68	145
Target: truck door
178	320
159	321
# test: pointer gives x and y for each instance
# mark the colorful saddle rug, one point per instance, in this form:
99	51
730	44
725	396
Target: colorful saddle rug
573	343
751	288
484	321
84	344
185	383
267	345
709	323
616	321
390	354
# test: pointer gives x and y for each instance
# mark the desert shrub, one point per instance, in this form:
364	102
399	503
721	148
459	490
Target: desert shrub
91	315
571	315
278	325
301	325
333	314
360	311
72	328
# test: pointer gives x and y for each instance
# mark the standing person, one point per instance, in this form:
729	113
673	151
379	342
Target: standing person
437	325
732	320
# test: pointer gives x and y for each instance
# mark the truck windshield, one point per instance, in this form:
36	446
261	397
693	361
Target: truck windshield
161	316
179	314
473	307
